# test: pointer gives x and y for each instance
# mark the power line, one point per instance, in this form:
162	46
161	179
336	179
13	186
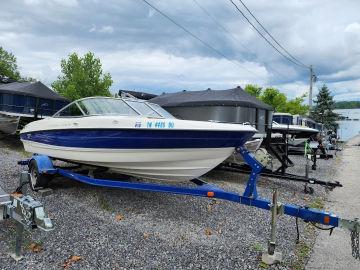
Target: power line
220	25
257	30
197	38
289	54
231	35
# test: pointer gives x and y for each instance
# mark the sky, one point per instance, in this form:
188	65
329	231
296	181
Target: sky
144	51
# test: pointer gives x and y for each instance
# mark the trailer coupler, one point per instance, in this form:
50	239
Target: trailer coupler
28	213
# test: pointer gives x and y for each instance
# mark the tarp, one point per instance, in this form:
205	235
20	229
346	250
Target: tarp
231	97
139	95
36	89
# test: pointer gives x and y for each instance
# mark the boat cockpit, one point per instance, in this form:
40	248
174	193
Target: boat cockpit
95	106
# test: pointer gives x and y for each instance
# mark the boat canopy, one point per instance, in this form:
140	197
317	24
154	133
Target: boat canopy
29	99
230	97
112	106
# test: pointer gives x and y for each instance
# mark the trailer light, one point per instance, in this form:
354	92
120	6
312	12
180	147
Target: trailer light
210	194
326	219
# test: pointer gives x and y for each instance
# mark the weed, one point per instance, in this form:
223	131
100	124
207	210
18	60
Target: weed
318	203
257	247
263	265
104	204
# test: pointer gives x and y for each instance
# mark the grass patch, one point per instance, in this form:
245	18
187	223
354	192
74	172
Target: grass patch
263	265
25	154
257	247
104	204
302	252
303	249
317	203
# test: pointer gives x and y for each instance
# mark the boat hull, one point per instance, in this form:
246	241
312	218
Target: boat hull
171	155
160	164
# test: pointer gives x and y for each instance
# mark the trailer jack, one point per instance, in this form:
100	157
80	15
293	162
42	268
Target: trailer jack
28	213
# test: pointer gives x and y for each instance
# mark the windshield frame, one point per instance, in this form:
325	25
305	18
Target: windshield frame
148	104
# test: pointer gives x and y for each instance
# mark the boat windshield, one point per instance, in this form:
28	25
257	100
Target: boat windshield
105	106
143	108
112	106
160	110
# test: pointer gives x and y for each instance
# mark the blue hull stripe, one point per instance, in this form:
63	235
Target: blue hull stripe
139	139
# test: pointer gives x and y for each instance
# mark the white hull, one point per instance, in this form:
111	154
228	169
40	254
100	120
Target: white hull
160	164
297	141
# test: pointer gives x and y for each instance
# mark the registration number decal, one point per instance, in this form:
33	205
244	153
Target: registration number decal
160	124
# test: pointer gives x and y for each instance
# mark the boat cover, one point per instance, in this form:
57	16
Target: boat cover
36	89
231	97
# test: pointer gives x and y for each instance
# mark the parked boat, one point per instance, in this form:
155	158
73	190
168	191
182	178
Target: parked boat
134	137
25	102
224	106
298	128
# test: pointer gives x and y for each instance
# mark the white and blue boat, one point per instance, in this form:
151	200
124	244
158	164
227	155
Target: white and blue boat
134	137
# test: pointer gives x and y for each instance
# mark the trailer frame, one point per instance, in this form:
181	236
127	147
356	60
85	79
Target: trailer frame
250	196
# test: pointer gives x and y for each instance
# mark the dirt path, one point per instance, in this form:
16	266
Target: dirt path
334	252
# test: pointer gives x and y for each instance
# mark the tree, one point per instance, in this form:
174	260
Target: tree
8	65
323	109
296	106
347	104
274	98
82	77
253	90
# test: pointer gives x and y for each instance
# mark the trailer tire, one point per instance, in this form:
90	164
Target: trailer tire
37	180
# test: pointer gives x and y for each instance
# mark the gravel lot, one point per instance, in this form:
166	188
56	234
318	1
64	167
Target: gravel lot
121	229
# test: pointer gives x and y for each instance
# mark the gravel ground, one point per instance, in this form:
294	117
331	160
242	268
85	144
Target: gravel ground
121	229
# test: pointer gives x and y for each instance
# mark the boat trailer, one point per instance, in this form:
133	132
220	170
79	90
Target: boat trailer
250	197
28	213
279	150
246	169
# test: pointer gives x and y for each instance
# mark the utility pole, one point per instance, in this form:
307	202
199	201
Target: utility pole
311	87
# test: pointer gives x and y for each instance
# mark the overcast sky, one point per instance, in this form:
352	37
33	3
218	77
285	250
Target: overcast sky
144	51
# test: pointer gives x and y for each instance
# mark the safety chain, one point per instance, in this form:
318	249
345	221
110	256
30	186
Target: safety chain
355	243
26	214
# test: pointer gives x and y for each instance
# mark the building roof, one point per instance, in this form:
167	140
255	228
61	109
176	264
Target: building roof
231	97
35	89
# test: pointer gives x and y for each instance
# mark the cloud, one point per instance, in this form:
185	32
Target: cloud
353	28
142	49
67	3
164	72
107	29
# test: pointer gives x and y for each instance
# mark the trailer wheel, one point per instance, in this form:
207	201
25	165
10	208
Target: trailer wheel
37	180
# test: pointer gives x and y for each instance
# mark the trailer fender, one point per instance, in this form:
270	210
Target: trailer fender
44	164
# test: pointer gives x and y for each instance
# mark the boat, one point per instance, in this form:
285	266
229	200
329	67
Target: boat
234	106
297	128
134	137
23	102
297	134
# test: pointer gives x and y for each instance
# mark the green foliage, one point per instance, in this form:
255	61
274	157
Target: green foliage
253	90
82	77
296	106
323	110
278	100
8	65
274	98
347	105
